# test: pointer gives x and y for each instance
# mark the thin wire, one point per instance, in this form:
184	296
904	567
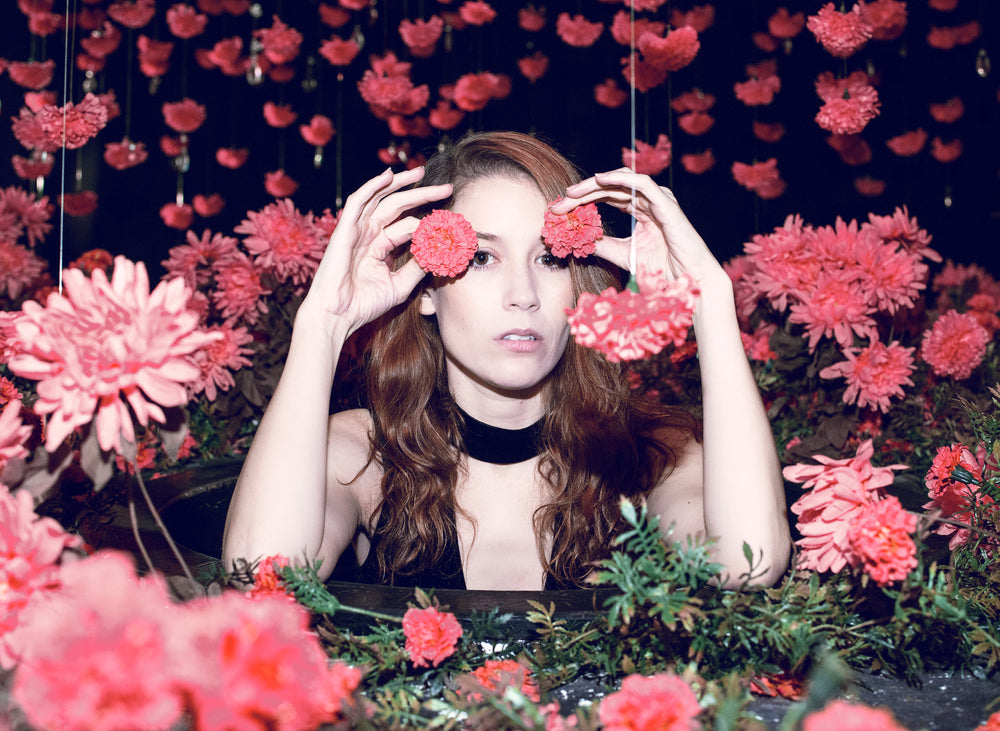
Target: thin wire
632	115
62	174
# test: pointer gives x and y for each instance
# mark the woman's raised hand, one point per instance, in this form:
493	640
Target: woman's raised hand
664	239
355	283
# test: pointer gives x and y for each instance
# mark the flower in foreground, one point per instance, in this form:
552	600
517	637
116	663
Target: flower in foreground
952	485
431	636
881	542
874	374
662	702
575	232
108	350
498	674
630	325
954	345
444	243
840	715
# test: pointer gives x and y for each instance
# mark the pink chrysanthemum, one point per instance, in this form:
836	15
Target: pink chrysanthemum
838	490
900	229
881	542
782	263
219	359
431	636
23	213
13	433
283	241
444	243
109	347
19	267
575	232
630	325
664	702
956	494
194	260
955	345
891	275
835	307
841	34
239	292
874	374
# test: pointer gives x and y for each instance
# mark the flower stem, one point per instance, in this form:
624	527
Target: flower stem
160	524
135	527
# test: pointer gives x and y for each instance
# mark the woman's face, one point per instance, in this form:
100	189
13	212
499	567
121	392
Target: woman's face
503	322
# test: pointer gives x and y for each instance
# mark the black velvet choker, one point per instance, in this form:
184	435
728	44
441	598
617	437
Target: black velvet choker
500	446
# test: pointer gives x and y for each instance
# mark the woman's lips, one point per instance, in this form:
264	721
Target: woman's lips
521	341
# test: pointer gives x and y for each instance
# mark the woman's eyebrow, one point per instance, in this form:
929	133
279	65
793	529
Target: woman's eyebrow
483	236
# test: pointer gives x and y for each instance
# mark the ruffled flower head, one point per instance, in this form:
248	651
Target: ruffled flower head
72	125
672	53
841	34
421	36
577	31
186	115
431	636
953	485
19	267
629	325
648	159
954	345
108	350
663	701
444	243
283	241
575	232
874	374
881	542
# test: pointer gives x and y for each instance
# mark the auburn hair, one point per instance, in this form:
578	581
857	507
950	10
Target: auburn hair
600	441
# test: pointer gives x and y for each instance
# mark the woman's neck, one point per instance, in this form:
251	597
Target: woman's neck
495	445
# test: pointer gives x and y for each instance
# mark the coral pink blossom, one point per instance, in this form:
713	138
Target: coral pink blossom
444	243
53	127
757	345
757	176
946	151
648	159
107	351
945	6
949	111
171	146
641	74
841	34
838	490
318	132
874	374
695	123
79	204
955	345
125	154
631	325
19	267
498	674
239	293
840	715
39	165
421	36
154	56
693	101
700	17
232	157
768	131
623	30
177	215
226	55
531	19
672	53
887	18
477	12
533	67
952	485
387	87
474	91
193	261
219	359
267	579
880	541
758	92
22	213
697	163
207	206
32	74
662	702
133	14
93	259
281	43
609	94
784	25
279	184
431	636
339	52
900	229
444	116
186	115
836	307
283	241
279	115
908	144
185	22
575	232
851	112
577	31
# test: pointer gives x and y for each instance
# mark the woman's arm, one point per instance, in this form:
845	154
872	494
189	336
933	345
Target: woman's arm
732	485
292	496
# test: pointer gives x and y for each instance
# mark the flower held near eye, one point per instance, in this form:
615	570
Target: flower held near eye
574	233
444	243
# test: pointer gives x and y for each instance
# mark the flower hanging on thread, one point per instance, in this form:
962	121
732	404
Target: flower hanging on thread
575	232
841	34
444	243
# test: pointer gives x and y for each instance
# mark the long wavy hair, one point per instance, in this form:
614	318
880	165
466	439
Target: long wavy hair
600	441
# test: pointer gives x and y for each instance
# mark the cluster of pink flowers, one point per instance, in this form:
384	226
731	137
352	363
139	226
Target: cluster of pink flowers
575	232
444	243
431	636
848	104
630	325
51	127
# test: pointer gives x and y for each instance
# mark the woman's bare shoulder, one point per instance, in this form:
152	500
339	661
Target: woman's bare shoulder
349	444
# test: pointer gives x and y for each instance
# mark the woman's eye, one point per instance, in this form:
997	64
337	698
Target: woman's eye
481	258
551	260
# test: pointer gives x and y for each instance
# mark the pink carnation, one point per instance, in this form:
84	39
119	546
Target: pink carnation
631	325
185	22
663	702
874	374
648	159
672	53
955	494
577	30
281	43
841	34
184	116
575	232
477	12
955	345
880	541
444	243
908	144
125	154
72	125
421	36
108	351
431	636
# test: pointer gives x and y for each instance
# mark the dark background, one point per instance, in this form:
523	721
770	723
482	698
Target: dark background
560	107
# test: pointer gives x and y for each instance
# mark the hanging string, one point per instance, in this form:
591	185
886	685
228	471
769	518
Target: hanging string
70	33
632	79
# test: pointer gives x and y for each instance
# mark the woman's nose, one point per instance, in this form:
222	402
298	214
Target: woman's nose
521	288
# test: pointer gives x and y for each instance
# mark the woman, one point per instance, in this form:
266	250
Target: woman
495	451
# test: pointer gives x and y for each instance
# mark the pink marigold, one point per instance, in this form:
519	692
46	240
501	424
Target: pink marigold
908	144
697	163
955	345
838	489
662	702
232	157
533	67
499	674
339	52
477	12
444	243
219	359
431	636
887	18
281	43
279	115
874	373
421	36
113	348
841	34
648	159
32	74
133	14
575	232
185	22
23	213
840	715
881	542
577	31
186	115
283	241
609	94
125	154
19	267
239	293
630	325
949	111
672	53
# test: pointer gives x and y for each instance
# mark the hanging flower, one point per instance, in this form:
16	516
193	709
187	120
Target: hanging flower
177	215
663	702
630	325
700	17
697	163
575	232
171	146
108	350
641	74
444	243
239	294
232	157
949	111
219	359
184	116
279	184
79	204
531	19
339	52
431	636
609	94
692	101
758	176
672	53
227	56
784	25
281	43
874	373
887	18
695	123
387	87
185	22
908	144
533	67
421	36
577	31
946	151
499	674
133	14
279	115
52	127
841	34
125	154
207	206
32	74
849	104
283	241
477	12
154	56
474	91
39	165
954	346
761	85
318	132
444	116
768	131
648	159
623	30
